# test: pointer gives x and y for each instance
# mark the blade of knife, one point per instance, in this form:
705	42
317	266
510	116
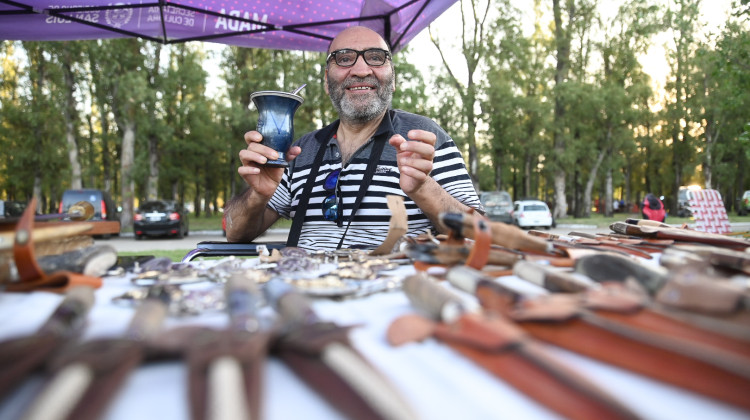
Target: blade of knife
320	353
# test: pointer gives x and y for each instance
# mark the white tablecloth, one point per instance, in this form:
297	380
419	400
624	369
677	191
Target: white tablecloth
435	380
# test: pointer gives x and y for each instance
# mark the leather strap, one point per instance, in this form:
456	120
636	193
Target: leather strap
299	215
480	251
30	274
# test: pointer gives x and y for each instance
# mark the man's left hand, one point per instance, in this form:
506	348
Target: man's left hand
414	158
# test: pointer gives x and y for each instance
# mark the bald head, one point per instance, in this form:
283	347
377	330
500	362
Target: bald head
358	38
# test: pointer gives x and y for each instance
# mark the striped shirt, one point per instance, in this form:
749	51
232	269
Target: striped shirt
370	225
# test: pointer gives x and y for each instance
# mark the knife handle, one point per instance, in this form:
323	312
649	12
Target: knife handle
243	302
289	303
430	297
70	314
147	321
553	280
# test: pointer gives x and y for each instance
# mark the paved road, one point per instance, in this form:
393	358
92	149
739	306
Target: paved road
127	243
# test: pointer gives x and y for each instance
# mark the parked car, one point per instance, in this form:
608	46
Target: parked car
683	200
9	208
160	218
104	206
532	213
743	207
498	205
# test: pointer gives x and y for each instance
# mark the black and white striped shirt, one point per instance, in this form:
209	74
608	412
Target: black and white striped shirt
370	225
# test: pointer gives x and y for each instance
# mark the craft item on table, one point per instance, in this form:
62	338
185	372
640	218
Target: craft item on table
84	378
93	261
30	276
505	350
397	228
727	260
565	320
24	355
640	315
498	246
226	366
691	290
572	244
502	234
680	235
320	353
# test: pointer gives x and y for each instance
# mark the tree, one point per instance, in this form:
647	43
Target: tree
473	48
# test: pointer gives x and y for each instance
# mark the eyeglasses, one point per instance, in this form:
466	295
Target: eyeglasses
374	57
331	211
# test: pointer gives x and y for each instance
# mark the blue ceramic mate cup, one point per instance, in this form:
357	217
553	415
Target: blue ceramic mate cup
276	121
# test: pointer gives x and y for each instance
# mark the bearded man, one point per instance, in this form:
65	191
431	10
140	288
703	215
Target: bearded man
338	177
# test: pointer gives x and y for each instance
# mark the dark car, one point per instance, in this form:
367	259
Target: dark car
498	205
10	208
160	218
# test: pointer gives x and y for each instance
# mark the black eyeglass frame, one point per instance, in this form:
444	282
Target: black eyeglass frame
334	54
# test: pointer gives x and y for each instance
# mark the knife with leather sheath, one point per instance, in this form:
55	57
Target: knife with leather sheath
320	353
637	315
86	377
226	366
562	320
509	353
22	355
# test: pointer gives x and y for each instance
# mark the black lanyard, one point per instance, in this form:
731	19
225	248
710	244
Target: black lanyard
299	216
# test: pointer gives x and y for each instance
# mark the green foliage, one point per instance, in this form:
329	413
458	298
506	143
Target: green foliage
187	139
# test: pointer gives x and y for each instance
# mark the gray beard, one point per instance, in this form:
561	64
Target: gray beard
357	111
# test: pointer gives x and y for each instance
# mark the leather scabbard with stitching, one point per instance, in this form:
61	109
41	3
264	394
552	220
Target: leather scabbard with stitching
301	350
509	354
245	350
496	344
559	320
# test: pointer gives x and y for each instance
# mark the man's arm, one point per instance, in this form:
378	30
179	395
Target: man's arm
433	199
248	216
415	162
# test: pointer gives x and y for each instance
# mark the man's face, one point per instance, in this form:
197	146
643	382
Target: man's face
362	92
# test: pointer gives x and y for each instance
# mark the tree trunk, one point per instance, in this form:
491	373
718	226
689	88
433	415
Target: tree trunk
608	194
70	138
590	184
127	159
562	40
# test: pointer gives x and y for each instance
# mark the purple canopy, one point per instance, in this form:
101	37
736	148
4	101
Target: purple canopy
307	25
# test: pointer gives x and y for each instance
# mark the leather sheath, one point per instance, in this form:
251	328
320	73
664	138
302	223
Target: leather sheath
508	353
680	235
23	355
111	361
248	349
301	349
690	365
